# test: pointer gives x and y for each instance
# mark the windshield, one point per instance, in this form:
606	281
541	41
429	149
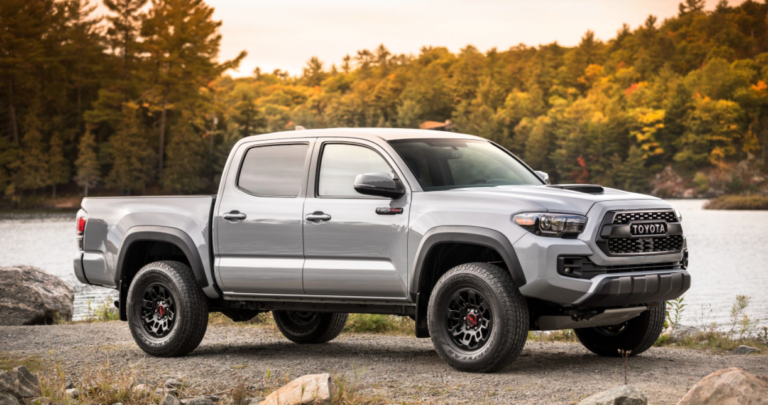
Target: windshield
443	164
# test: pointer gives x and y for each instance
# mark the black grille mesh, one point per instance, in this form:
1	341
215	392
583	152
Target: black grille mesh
627	217
673	243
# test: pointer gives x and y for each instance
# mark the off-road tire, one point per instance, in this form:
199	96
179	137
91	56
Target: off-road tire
318	328
509	317
635	336
191	309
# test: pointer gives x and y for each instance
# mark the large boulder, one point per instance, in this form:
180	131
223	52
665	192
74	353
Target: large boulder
619	395
30	296
308	389
730	386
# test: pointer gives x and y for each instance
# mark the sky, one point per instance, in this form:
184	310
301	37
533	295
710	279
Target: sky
284	34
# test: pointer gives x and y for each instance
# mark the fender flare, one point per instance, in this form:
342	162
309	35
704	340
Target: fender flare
173	236
466	234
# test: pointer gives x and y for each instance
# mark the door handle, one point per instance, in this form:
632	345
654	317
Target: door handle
234	216
318	216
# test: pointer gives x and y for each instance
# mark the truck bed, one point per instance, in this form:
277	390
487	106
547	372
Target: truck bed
112	220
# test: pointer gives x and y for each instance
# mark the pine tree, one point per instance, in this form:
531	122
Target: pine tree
87	164
186	160
182	43
58	166
34	159
131	156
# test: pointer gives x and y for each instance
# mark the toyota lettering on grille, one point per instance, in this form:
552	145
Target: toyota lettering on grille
651	229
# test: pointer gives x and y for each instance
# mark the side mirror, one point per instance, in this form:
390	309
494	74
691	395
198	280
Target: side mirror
543	176
378	184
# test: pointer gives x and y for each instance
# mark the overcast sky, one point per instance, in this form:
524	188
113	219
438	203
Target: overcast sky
284	34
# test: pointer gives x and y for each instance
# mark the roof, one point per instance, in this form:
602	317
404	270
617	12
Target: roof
385	134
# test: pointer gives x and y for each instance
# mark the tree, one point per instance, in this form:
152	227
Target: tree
58	166
131	156
182	43
34	163
313	74
24	24
246	116
123	39
87	164
186	161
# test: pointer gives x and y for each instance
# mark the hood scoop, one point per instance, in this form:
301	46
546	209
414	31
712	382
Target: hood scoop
582	188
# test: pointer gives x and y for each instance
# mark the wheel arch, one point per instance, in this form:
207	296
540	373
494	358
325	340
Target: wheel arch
478	242
145	244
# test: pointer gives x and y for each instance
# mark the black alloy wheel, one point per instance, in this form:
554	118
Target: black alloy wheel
158	310
469	320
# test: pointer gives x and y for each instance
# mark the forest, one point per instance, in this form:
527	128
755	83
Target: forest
138	102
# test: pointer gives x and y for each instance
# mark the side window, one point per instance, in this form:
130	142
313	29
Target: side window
273	171
340	165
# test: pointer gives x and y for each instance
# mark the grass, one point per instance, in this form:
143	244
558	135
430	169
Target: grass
741	330
738	202
8	361
566	336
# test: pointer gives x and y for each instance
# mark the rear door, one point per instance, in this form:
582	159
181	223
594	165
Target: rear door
258	221
352	248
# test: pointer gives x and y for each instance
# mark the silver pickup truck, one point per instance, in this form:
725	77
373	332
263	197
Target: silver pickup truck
449	229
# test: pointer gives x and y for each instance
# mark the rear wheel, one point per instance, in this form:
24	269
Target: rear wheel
478	320
167	311
634	336
309	327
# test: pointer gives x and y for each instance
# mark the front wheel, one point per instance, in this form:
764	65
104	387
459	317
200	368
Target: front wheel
167	311
633	337
309	327
478	320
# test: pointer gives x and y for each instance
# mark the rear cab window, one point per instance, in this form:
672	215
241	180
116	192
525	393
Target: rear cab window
273	170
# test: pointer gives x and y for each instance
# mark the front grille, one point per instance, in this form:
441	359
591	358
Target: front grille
627	217
671	243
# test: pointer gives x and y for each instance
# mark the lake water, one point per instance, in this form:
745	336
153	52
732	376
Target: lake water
728	257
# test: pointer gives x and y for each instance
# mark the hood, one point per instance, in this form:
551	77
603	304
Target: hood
555	199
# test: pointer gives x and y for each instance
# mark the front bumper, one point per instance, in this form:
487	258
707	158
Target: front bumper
539	259
631	289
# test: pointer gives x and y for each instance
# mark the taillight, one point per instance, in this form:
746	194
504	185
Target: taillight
80	226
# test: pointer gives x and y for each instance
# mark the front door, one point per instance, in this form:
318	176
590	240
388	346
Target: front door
258	222
353	248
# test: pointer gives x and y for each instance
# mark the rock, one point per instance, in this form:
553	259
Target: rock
73	393
118	403
20	383
198	401
27	383
6	398
170	400
141	390
743	349
308	389
173	384
30	296
213	398
730	386
682	332
619	395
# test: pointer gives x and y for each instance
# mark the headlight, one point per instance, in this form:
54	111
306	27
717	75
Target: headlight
547	224
679	216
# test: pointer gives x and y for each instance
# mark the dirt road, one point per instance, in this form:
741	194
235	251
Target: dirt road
398	369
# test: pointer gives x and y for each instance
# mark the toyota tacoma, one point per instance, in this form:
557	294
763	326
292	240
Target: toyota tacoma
451	230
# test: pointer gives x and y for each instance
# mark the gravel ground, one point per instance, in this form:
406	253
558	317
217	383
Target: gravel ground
397	368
